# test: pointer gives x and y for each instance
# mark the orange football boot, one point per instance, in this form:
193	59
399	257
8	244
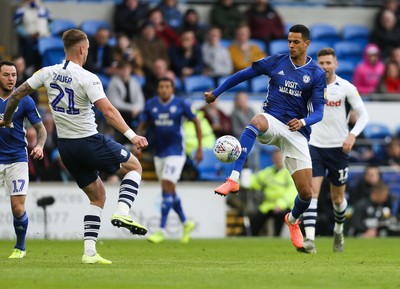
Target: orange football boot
295	233
230	186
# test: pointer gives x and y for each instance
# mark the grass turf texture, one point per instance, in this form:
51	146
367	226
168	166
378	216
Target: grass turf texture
232	263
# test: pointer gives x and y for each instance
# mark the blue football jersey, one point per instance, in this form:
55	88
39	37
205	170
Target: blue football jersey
166	120
292	90
12	140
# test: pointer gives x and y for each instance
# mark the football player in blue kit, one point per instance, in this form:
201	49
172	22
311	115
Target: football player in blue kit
295	100
14	173
164	115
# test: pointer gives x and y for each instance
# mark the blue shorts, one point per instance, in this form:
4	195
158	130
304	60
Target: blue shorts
85	157
330	162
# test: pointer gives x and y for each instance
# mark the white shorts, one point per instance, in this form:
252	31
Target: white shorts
169	168
15	178
293	145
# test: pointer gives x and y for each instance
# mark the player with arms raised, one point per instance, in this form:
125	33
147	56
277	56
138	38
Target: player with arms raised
72	91
330	144
295	100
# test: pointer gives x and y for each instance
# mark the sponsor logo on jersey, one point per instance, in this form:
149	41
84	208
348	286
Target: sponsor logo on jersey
281	72
333	103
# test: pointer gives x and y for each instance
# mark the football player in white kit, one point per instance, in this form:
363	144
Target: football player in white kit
72	91
330	144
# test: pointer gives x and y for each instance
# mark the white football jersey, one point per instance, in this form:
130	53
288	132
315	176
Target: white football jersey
332	130
71	91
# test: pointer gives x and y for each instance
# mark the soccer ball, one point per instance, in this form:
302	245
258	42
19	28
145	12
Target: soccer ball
227	149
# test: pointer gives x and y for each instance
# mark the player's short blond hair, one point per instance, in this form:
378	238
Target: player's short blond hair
72	37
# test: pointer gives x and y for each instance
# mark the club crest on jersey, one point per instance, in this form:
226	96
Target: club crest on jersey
172	109
155	109
306	78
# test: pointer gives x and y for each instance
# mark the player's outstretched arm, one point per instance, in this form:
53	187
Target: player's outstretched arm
15	97
115	119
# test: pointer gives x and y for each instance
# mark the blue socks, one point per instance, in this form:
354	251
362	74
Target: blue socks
247	140
300	207
171	201
20	227
178	208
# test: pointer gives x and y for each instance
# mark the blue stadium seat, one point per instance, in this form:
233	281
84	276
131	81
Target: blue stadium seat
140	79
211	169
324	32
225	42
196	83
51	49
90	26
349	50
379	134
375	130
316	46
278	46
261	44
243	86
259	84
58	26
345	69
356	33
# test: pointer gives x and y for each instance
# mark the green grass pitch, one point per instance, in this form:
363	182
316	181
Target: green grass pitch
232	263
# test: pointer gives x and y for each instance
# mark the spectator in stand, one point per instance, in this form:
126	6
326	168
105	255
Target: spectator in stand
191	21
395	55
391	5
242	114
31	22
392	157
279	191
226	15
362	190
264	22
217	59
186	58
125	93
159	70
100	58
163	31
129	17
244	53
125	50
386	36
23	74
390	80
151	47
368	73
371	215
171	13
219	120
